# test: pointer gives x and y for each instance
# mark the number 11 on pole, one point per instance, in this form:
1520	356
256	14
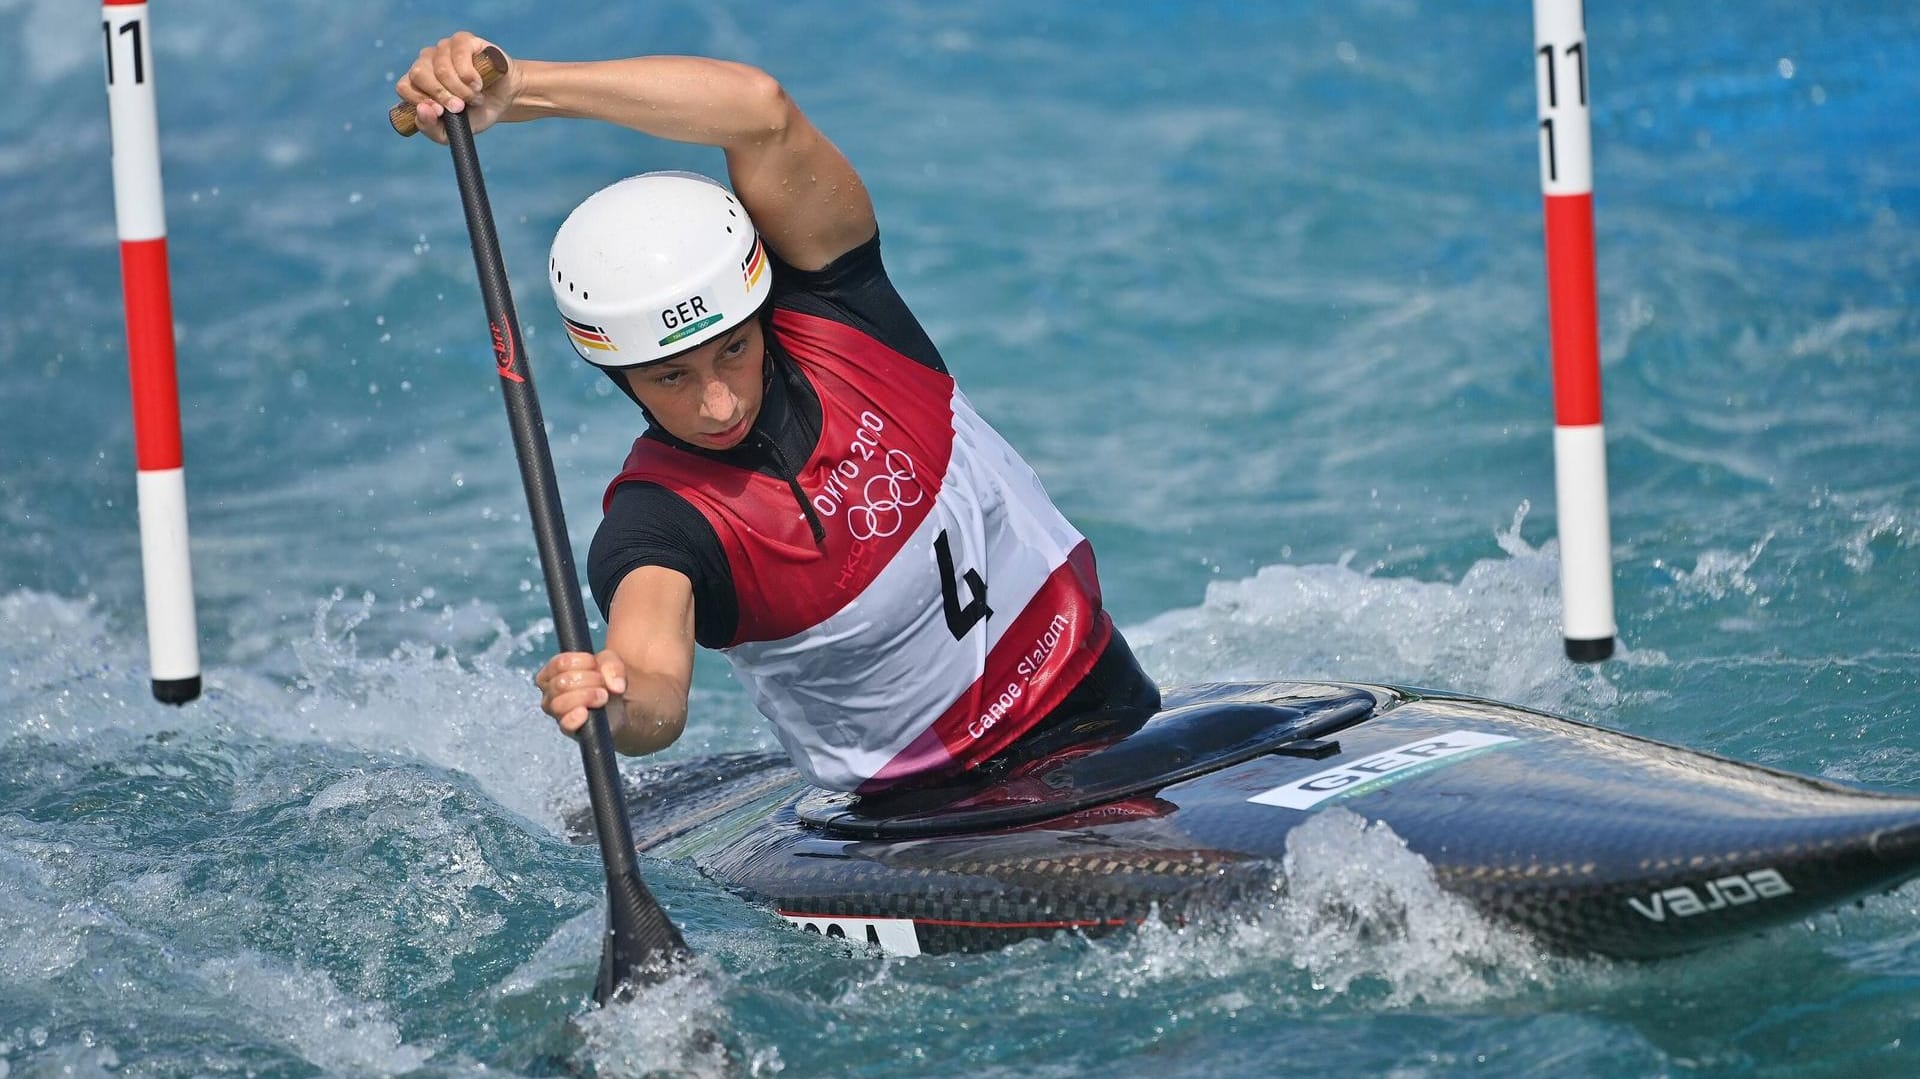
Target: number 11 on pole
1579	440
173	638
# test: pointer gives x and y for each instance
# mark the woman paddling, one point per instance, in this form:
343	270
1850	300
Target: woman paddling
812	495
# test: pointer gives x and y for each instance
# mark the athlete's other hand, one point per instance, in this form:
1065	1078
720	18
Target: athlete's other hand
443	79
573	683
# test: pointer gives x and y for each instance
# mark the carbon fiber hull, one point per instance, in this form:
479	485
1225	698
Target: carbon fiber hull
1592	840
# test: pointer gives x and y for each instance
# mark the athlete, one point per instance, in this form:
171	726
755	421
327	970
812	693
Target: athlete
812	495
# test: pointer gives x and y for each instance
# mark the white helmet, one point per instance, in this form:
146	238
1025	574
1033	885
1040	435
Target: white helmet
655	265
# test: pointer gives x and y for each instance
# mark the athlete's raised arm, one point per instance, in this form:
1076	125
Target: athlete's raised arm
801	191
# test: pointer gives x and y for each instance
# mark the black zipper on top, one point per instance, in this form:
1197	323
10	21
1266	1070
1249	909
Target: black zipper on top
786	472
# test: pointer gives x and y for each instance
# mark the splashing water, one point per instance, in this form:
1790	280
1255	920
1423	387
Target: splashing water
1494	633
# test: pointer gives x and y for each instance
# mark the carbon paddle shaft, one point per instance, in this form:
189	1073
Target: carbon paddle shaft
642	942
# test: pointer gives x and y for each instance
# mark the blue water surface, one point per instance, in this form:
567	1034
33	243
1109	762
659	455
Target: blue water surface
1257	288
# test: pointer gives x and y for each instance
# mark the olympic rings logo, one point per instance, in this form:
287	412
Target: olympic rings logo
887	498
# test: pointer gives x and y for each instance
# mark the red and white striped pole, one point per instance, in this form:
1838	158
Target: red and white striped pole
173	644
1579	439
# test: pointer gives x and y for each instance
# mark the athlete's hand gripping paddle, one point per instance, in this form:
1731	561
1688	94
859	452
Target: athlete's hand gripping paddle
642	943
490	62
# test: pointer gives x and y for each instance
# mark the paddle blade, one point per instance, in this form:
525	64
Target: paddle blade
642	945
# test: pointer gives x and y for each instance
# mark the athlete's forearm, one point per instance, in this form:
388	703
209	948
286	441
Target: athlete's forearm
683	98
652	715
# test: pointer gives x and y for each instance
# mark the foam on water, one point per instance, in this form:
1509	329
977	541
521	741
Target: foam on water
1359	905
321	842
1495	632
303	1009
1355	921
676	1026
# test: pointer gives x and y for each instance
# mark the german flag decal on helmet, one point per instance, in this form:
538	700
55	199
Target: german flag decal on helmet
754	265
585	336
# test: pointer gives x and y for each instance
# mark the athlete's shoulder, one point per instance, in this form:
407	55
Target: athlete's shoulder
855	268
648	525
642	513
854	290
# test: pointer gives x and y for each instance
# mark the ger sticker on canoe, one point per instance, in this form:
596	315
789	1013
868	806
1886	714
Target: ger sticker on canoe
1376	771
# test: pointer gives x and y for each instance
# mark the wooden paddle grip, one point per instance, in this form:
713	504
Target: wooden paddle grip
490	62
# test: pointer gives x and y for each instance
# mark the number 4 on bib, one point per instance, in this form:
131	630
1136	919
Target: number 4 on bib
959	619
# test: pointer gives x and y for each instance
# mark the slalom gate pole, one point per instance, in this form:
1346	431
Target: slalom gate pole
642	943
1561	63
173	637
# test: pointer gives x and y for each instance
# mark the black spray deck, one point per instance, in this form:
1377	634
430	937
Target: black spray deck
1592	840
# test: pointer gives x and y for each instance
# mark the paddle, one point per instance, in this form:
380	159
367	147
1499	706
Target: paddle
642	943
